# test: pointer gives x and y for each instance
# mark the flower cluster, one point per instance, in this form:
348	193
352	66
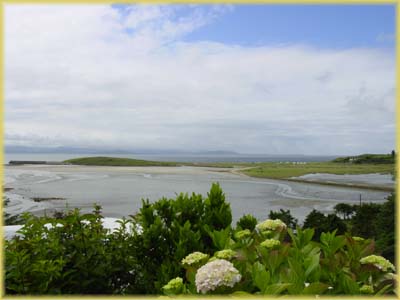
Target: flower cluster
194	258
270	243
274	225
242	234
215	274
358	239
366	289
225	254
174	286
378	261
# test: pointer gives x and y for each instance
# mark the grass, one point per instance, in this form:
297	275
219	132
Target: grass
287	170
272	170
116	161
367	159
40	199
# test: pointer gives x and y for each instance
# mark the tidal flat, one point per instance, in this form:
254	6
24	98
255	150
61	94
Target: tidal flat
119	190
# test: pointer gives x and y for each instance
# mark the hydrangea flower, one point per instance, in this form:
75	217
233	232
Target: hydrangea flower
174	286
274	225
242	234
225	254
378	261
194	258
215	274
366	289
270	243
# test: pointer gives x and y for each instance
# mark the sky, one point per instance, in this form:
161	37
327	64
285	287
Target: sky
265	79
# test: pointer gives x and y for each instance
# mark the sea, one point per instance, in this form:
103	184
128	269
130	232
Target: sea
120	190
205	158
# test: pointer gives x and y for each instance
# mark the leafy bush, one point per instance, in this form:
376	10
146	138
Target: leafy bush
322	223
285	216
163	248
74	255
261	262
247	222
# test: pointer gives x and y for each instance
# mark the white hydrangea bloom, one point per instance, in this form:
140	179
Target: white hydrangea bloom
271	225
216	273
378	261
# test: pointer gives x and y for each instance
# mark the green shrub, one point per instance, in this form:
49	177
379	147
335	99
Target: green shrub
247	222
171	229
260	262
75	254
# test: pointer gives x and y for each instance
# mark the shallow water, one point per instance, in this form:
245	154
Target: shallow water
119	190
373	179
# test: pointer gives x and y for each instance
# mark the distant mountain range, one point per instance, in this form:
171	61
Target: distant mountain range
82	150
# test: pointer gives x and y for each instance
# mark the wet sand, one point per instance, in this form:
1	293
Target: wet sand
119	190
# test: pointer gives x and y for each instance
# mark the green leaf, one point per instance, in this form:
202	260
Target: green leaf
315	288
383	290
276	289
261	276
312	263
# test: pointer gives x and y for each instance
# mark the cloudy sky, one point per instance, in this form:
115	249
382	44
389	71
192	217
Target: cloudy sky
269	79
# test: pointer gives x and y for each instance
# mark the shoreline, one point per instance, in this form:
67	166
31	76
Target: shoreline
184	168
268	194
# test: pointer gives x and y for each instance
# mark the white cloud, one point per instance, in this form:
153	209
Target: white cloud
96	75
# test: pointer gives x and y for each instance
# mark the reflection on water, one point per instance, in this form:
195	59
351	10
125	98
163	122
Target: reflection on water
120	190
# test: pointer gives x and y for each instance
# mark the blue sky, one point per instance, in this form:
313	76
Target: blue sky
327	26
272	79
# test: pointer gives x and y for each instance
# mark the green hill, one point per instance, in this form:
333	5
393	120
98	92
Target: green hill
116	161
367	159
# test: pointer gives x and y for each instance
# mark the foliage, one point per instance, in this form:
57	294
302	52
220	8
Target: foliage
9	219
380	225
170	230
337	265
285	216
363	222
322	223
247	222
368	159
175	238
74	255
115	161
346	210
288	170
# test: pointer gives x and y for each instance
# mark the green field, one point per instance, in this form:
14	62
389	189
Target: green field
274	170
115	161
287	170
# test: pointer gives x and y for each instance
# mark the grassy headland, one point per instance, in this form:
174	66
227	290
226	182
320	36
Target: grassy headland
367	159
287	170
363	164
116	161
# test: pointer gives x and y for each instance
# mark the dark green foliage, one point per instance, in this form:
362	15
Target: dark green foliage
74	255
171	229
363	222
116	161
247	222
369	220
9	219
322	223
346	210
315	220
285	216
385	225
367	159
